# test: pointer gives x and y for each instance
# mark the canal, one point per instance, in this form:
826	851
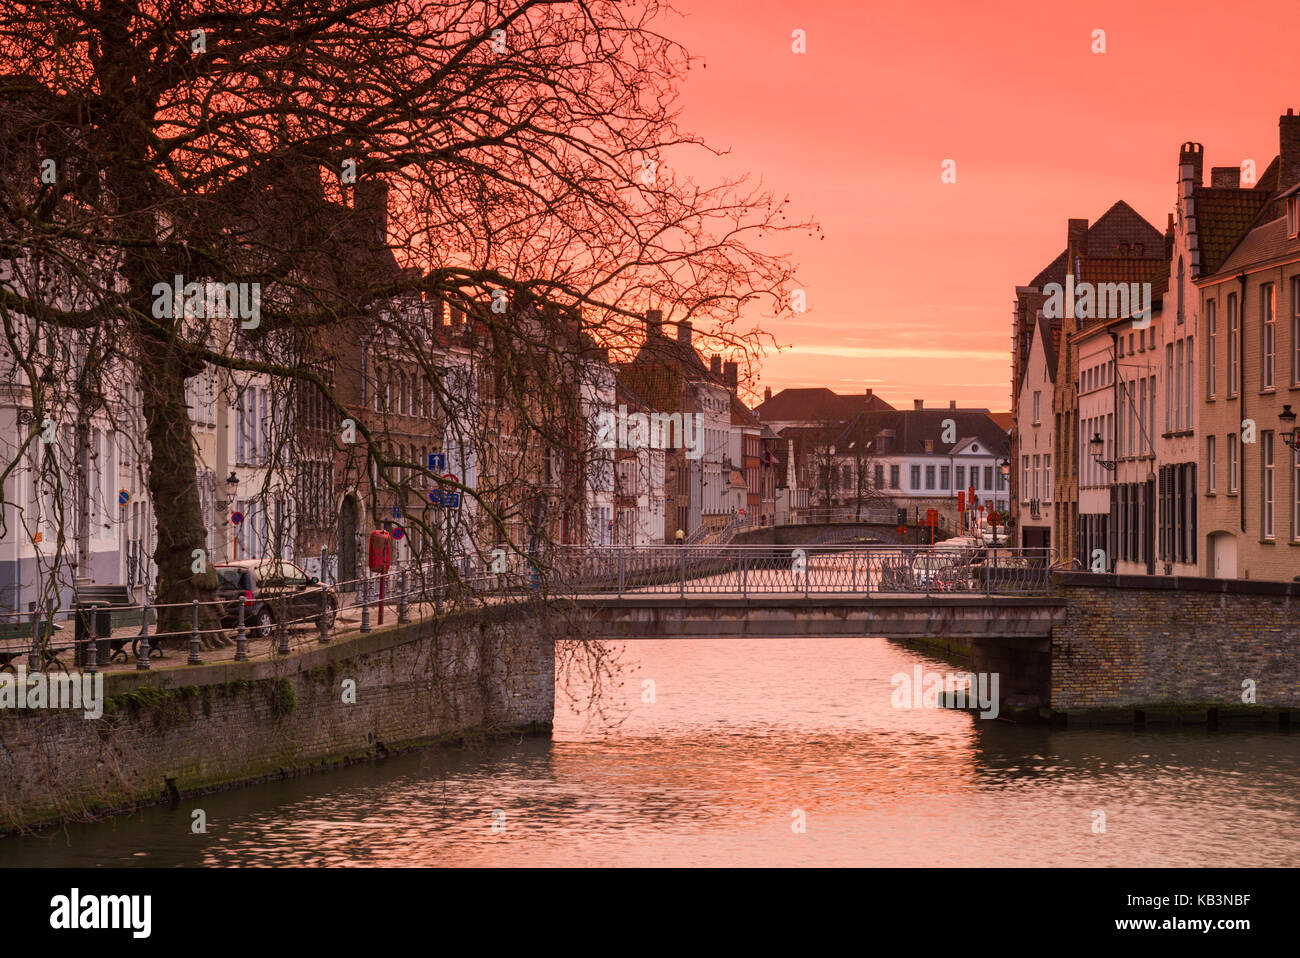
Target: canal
717	752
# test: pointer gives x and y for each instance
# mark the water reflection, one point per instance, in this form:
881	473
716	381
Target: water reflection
740	738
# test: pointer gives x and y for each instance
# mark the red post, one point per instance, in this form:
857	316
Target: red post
383	579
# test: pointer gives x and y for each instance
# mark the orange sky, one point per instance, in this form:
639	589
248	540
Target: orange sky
910	292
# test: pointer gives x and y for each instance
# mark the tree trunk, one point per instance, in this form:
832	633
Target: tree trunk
174	491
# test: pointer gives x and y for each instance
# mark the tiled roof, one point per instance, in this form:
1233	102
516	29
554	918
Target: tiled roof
1265	242
816	404
912	427
1003	419
1223	215
741	415
1118	228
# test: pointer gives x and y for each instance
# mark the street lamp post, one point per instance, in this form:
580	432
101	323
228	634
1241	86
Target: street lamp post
232	486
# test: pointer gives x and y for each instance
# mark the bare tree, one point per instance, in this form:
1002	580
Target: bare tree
524	155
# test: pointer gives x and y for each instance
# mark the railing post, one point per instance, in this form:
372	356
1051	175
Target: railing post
34	659
194	637
241	634
142	660
402	582
621	571
365	602
807	571
324	637
91	661
682	584
853	580
744	575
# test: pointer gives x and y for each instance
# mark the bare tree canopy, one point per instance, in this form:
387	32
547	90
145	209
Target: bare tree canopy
317	195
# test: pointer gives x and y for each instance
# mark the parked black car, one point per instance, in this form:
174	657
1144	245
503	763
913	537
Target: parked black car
272	590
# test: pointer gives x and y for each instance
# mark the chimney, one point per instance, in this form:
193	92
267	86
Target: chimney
1288	174
715	362
868	394
918	403
731	376
371	199
952	404
1191	157
1076	241
654	323
1225	177
767	394
684	333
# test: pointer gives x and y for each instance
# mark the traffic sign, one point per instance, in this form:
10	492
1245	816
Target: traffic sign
397	512
236	517
123	496
398	533
437	461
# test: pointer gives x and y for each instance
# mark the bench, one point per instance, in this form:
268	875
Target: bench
22	632
113	595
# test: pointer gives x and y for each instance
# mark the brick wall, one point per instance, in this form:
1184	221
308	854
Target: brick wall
1131	641
190	729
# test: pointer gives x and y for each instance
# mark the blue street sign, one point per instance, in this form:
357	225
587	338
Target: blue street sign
438	498
123	496
437	461
398	532
236	517
397	512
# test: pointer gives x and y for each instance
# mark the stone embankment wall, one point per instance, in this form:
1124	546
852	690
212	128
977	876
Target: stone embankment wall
1165	641
184	730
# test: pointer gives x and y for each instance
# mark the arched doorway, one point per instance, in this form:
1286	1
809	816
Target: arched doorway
1221	555
348	513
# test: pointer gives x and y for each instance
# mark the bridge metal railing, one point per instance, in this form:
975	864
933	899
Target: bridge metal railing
808	570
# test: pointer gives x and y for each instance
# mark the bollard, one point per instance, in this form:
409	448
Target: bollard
241	633
282	623
324	611
365	602
401	599
90	660
194	638
142	659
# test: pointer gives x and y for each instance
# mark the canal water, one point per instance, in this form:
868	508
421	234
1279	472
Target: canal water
750	752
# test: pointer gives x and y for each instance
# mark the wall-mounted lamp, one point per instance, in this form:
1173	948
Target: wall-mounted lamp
1097	445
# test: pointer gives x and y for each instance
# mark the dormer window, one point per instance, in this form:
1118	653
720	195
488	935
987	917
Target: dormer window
1293	216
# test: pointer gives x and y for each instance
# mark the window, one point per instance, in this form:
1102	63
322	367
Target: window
1266	484
893	477
1232	462
1037	473
943	478
1180	289
1295	331
880	476
1295	494
961	478
1292	217
1047	478
1268	334
929	477
1038	396
1169	387
916	477
1024	479
1232	344
988	478
1211	466
1151	415
1212	332
1188	390
974	477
